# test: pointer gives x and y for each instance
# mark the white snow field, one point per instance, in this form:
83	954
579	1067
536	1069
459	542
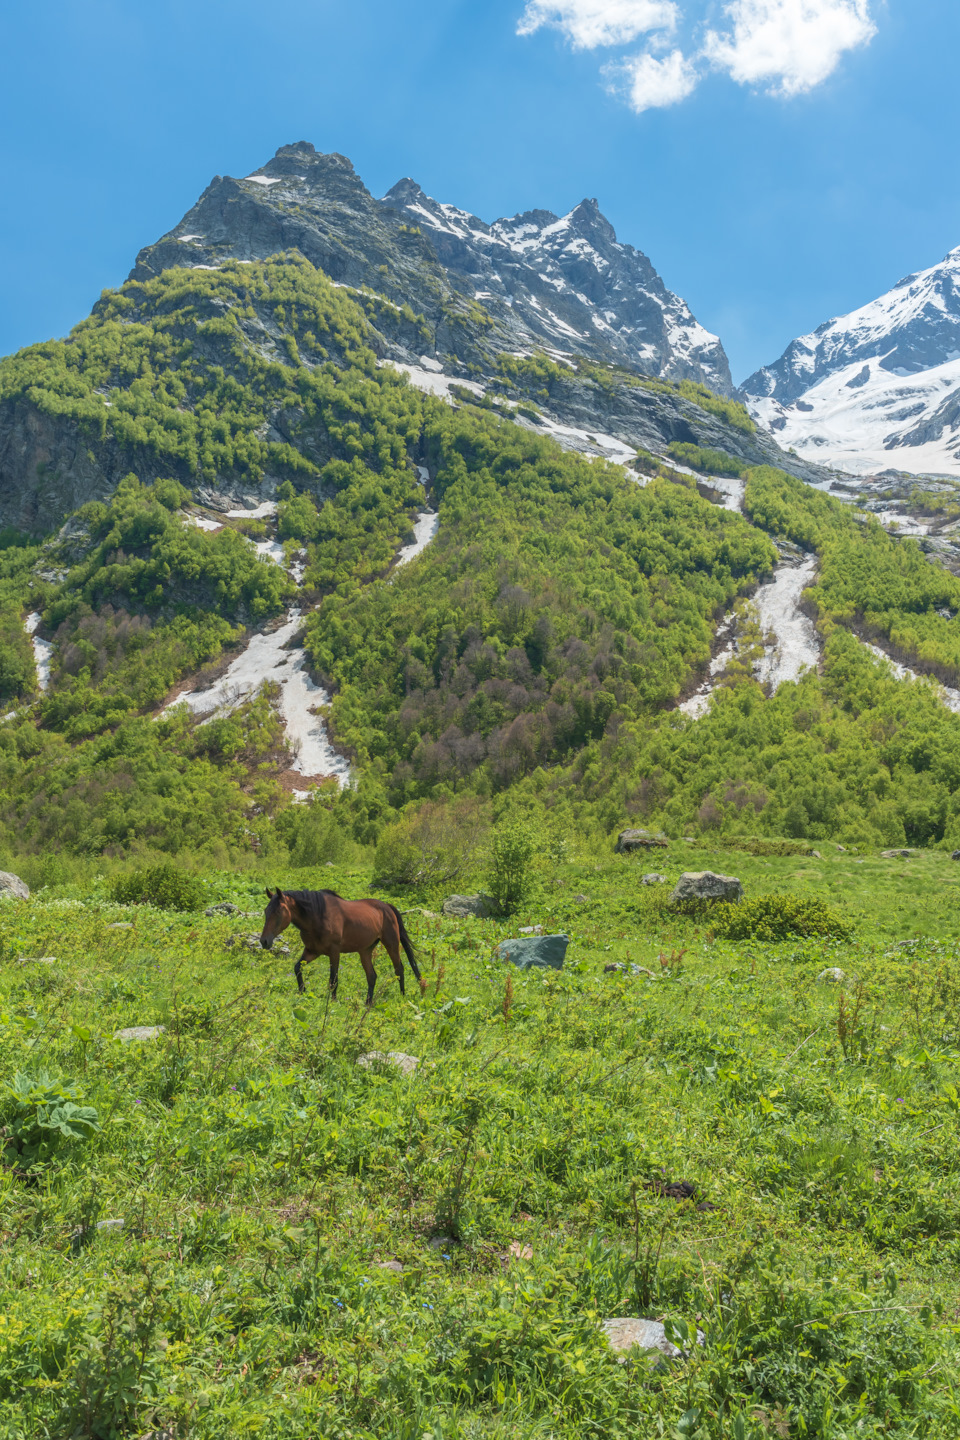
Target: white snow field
795	644
790	641
42	650
267	658
202	522
837	422
269	507
425	528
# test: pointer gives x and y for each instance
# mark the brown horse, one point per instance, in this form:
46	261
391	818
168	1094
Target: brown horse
329	925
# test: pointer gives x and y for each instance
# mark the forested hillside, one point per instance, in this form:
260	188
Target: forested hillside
267	461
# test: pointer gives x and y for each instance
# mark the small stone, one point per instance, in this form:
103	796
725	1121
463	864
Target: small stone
442	1242
12	887
531	929
642	970
581	900
653	879
896	854
615	969
121	925
629	1333
629	840
111	1224
406	1064
139	1032
955	855
41	960
393	1265
833	975
815	855
705	885
842	849
544	952
461	907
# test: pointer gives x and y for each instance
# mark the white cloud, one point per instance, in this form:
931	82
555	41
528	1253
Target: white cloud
652	83
589	23
793	44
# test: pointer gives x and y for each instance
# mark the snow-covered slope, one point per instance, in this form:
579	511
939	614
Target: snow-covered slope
878	388
571	283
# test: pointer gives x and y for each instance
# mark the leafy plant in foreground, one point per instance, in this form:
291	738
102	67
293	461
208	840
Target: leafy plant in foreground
47	1113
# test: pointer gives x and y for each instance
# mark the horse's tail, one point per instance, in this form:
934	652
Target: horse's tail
407	943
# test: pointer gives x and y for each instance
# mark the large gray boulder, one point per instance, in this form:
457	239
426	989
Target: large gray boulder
481	907
705	885
12	887
629	840
545	952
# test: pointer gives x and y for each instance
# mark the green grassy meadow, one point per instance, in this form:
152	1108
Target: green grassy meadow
265	1180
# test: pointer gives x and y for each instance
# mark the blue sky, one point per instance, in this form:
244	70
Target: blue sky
780	161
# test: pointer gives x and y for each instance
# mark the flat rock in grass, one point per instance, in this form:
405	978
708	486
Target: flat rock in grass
833	975
896	854
653	879
406	1064
121	925
227	907
462	907
12	887
531	929
37	960
252	943
629	840
632	1334
705	885
139	1032
393	1265
544	952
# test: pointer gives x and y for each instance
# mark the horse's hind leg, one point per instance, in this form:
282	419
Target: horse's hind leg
366	960
334	973
393	950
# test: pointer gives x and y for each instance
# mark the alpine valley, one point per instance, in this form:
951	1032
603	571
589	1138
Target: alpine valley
361	550
373	504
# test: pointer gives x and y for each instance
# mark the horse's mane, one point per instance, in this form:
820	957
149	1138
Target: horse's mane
313	902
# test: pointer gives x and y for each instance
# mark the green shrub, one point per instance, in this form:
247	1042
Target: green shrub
707	461
433	844
762	845
511	876
779	917
166	886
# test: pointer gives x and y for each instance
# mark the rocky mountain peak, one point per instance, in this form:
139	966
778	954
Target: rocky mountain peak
563	282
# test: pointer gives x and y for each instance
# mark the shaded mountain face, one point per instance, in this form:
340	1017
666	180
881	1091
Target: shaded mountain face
531	281
878	388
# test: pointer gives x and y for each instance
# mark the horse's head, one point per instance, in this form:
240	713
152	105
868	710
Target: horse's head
277	916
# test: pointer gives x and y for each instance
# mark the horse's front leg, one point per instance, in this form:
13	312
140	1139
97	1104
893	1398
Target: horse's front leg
298	969
334	973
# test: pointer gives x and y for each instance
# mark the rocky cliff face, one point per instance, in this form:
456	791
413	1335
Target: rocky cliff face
878	388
